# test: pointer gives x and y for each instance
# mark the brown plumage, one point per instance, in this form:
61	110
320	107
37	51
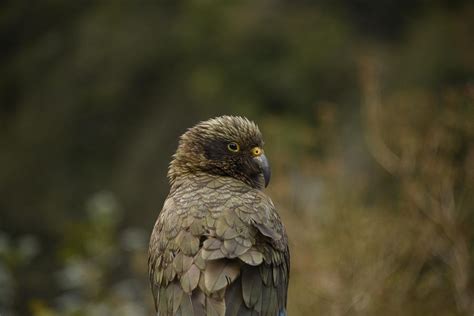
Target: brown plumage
218	246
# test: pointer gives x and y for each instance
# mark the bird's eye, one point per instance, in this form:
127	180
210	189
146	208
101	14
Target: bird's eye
234	147
256	151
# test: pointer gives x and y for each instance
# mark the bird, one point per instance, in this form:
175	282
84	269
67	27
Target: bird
218	246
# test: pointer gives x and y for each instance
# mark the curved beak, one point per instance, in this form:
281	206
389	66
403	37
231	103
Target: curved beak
264	167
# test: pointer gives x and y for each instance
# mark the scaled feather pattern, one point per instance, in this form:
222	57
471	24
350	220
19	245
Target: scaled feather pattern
218	246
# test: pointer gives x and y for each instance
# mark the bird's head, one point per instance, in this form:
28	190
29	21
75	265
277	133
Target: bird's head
229	146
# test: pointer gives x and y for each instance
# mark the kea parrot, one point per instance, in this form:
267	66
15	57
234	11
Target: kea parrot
218	246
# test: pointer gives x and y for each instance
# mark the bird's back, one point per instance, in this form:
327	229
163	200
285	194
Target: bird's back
218	248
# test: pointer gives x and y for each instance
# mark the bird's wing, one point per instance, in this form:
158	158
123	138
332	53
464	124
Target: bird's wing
218	253
261	288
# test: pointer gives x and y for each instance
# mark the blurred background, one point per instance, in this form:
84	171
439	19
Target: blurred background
367	108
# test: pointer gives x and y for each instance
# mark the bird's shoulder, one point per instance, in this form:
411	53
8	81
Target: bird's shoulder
208	230
219	217
226	203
